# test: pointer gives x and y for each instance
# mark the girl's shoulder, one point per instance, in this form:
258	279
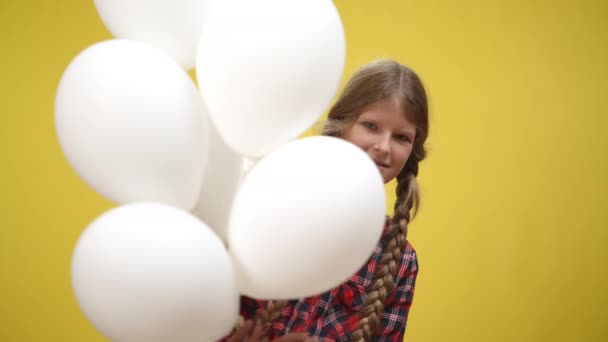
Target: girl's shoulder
409	263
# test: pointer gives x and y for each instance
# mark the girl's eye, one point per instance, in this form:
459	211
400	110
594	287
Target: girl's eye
403	138
370	125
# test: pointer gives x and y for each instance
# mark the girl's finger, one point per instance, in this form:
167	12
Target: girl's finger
257	333
240	334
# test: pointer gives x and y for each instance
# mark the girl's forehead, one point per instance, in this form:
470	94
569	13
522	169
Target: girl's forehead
386	108
389	104
390	112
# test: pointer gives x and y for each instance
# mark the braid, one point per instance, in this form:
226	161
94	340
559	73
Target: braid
386	271
272	312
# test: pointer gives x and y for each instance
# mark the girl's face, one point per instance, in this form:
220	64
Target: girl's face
383	131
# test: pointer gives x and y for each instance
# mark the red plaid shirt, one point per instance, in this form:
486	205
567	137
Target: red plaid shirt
334	315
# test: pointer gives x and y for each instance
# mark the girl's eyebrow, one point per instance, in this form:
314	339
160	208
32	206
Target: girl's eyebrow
409	134
366	118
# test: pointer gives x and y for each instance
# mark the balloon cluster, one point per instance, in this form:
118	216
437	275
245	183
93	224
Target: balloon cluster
195	226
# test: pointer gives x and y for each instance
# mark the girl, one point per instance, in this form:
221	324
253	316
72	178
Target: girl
383	110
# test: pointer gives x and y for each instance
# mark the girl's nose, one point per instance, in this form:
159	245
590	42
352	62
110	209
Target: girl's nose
382	145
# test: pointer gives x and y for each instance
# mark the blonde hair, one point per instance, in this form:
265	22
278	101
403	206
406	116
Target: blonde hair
376	81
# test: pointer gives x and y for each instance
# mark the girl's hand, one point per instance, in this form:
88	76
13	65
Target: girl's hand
295	337
251	332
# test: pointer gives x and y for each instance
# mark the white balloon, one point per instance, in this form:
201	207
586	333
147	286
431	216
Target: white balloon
267	69
173	25
223	175
148	272
132	124
305	219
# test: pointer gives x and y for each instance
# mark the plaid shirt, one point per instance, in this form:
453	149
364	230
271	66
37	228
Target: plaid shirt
334	315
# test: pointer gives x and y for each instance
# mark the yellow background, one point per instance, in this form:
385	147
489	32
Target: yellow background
514	221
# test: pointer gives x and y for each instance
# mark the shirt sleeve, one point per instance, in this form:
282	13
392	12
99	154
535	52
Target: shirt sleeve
394	318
